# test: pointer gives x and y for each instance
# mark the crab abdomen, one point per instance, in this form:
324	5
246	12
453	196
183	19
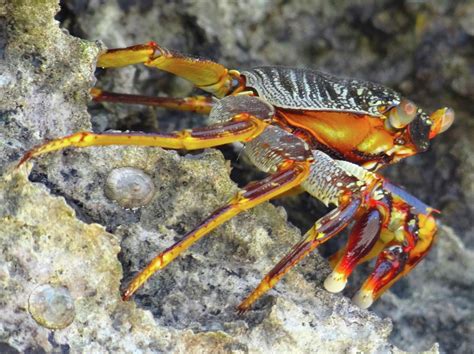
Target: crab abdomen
303	89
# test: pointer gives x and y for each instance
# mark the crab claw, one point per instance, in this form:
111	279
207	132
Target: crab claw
398	259
442	119
389	265
364	298
362	239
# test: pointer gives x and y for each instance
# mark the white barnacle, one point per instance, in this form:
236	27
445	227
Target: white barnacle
52	306
129	187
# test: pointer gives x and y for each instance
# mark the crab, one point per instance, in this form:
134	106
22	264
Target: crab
310	131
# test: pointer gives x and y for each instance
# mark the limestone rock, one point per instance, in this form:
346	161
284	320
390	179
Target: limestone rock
59	227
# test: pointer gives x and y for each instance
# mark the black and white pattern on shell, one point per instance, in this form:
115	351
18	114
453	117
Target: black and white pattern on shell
305	89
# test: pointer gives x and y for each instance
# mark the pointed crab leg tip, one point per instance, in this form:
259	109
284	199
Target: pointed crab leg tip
241	310
126	295
363	298
24	160
335	282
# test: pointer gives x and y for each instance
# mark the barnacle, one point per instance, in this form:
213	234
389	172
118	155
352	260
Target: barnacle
52	306
129	187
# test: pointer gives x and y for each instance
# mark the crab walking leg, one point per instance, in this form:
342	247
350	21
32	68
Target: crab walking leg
395	261
323	230
242	128
362	239
198	104
205	74
254	194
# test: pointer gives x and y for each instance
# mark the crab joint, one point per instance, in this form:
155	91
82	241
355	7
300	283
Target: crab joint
205	74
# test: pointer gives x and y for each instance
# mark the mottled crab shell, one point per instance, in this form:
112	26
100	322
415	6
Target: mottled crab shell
312	90
305	89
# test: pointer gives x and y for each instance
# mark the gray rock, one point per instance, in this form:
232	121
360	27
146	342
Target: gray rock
55	242
65	232
43	242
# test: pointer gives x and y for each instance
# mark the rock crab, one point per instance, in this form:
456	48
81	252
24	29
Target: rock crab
311	132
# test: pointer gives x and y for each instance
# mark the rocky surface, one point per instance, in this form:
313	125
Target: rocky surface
422	48
59	227
43	242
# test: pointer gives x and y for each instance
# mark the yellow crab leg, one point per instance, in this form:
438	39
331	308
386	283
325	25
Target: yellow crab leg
206	74
243	127
290	175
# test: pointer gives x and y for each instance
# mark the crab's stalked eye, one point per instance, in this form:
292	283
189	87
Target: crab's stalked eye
423	128
442	119
402	114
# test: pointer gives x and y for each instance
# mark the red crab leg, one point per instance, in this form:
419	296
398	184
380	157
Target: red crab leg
206	74
396	260
323	230
199	104
362	239
243	127
388	268
290	175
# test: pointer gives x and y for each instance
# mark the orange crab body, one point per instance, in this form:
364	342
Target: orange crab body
352	137
308	130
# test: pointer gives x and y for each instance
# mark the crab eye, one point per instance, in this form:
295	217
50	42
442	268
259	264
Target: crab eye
402	114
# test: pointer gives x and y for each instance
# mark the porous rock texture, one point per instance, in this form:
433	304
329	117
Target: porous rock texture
58	226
